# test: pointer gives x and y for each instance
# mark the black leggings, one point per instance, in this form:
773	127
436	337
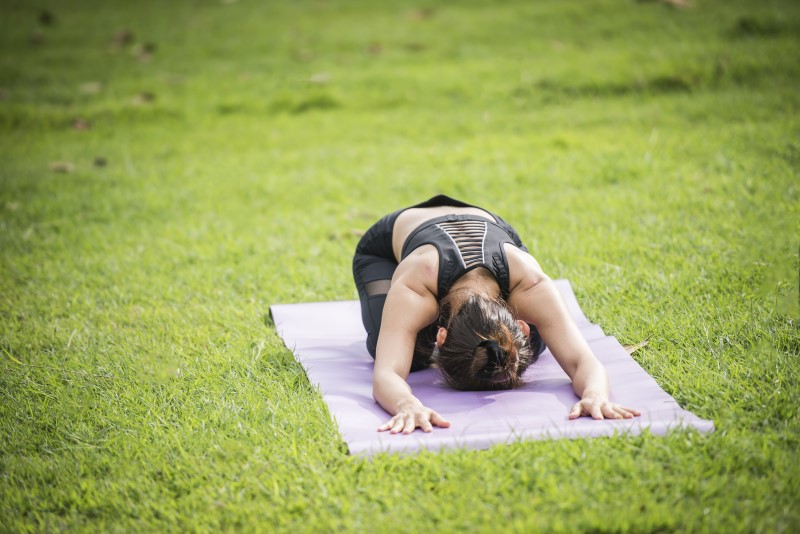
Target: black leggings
374	264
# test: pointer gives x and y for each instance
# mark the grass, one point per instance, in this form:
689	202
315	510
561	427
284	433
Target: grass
648	154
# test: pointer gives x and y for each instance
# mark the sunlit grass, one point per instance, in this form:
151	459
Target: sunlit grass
648	154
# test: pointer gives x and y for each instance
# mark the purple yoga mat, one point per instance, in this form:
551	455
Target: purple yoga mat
329	341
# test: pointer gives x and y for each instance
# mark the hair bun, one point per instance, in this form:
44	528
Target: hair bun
495	355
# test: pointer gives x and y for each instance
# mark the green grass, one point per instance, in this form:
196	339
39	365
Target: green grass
648	154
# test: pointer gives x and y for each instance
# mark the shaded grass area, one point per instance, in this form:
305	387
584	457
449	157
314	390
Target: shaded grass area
228	155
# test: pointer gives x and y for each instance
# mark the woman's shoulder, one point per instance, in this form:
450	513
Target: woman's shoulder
419	270
523	269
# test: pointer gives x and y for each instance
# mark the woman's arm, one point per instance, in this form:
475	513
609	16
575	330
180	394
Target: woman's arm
536	299
410	306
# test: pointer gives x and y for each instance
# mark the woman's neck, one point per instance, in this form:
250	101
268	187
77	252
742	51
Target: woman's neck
477	282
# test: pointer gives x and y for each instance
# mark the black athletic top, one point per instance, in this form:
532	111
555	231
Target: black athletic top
464	242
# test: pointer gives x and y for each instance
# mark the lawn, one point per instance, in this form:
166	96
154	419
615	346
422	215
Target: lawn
170	169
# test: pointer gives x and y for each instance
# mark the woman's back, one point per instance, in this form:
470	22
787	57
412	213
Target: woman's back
411	218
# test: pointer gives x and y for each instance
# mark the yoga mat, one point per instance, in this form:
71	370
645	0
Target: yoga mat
328	339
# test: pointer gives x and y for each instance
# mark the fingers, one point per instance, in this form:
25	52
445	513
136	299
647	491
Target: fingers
632	412
609	411
406	423
622	413
425	425
395	424
602	410
387	425
399	424
439	421
410	424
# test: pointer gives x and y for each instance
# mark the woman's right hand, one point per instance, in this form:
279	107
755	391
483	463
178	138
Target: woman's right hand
412	416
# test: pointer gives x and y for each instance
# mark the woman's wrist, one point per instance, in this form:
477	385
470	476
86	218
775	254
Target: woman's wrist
589	394
407	404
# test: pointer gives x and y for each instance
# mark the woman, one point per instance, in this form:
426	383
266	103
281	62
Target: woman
449	283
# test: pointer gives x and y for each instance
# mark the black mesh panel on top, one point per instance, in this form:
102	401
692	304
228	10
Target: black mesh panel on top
468	237
378	287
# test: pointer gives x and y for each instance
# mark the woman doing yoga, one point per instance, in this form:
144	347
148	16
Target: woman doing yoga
451	284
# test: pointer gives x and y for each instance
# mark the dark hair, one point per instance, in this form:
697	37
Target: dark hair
485	348
424	347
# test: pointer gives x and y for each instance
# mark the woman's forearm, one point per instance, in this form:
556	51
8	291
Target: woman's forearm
590	383
590	379
392	392
410	306
394	395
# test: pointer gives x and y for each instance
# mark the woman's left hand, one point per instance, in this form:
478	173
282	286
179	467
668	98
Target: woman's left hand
601	408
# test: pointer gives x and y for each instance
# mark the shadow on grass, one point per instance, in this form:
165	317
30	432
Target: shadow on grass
749	27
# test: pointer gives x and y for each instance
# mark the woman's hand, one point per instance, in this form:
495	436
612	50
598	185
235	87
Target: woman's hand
601	408
412	416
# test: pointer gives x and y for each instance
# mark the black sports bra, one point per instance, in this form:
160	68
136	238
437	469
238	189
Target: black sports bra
465	242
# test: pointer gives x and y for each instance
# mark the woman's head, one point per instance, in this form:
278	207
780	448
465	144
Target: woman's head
481	346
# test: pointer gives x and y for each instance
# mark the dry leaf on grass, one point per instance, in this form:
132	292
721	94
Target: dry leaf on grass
320	78
143	98
122	38
90	88
36	37
682	4
630	349
61	166
81	124
679	4
144	51
421	14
